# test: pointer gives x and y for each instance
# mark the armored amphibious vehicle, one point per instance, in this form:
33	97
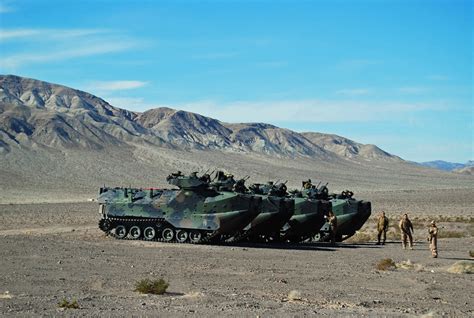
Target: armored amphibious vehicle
276	209
193	213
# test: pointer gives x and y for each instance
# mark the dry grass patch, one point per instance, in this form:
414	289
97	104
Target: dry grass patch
385	264
409	265
294	295
451	234
362	237
66	304
462	267
148	286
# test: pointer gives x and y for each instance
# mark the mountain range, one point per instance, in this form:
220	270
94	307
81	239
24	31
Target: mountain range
58	143
36	113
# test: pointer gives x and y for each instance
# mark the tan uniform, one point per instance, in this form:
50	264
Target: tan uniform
382	227
433	238
333	227
406	228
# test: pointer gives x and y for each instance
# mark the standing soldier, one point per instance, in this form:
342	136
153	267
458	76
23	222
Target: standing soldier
433	239
406	227
382	227
332	219
307	184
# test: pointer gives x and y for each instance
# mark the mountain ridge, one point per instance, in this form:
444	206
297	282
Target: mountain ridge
34	112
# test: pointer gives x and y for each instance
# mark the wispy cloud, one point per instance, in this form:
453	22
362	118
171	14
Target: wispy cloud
17	33
307	111
272	64
130	103
52	45
215	55
354	91
116	85
356	64
413	89
15	61
46	34
5	9
438	77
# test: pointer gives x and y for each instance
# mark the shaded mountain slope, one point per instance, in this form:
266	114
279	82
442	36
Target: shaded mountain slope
36	113
347	148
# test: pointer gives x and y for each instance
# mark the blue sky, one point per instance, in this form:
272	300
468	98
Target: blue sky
397	74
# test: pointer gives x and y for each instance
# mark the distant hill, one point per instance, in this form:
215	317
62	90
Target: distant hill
34	113
447	166
468	170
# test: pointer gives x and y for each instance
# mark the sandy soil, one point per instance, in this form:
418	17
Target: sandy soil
49	252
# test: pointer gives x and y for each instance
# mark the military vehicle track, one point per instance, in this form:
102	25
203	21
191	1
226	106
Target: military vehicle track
147	229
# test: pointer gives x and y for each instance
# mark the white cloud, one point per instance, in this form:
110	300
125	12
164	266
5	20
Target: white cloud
354	91
413	90
19	60
17	33
46	34
117	85
272	64
356	64
306	111
130	103
5	9
438	77
215	56
52	45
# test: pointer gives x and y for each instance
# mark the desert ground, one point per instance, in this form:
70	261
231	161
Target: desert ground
54	251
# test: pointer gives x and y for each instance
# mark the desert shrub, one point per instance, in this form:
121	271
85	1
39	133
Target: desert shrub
393	234
418	223
409	265
385	264
462	267
451	234
294	295
361	237
148	286
68	304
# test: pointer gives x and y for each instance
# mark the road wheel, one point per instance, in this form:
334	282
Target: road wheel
167	234
149	233
105	225
121	231
195	236
181	236
135	232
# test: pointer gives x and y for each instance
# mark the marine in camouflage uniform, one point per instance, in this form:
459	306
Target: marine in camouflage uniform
332	219
433	239
382	227
307	184
406	228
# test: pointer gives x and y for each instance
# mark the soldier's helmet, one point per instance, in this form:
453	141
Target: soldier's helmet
433	222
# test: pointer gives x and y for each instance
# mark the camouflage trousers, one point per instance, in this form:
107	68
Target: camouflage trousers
406	236
332	236
434	247
381	235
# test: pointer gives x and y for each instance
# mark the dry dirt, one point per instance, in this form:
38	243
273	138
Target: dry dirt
49	252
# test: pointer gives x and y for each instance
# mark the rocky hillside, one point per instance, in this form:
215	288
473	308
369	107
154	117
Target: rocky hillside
347	148
39	114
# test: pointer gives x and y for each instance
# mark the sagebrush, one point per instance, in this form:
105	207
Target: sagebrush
148	286
385	264
68	304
